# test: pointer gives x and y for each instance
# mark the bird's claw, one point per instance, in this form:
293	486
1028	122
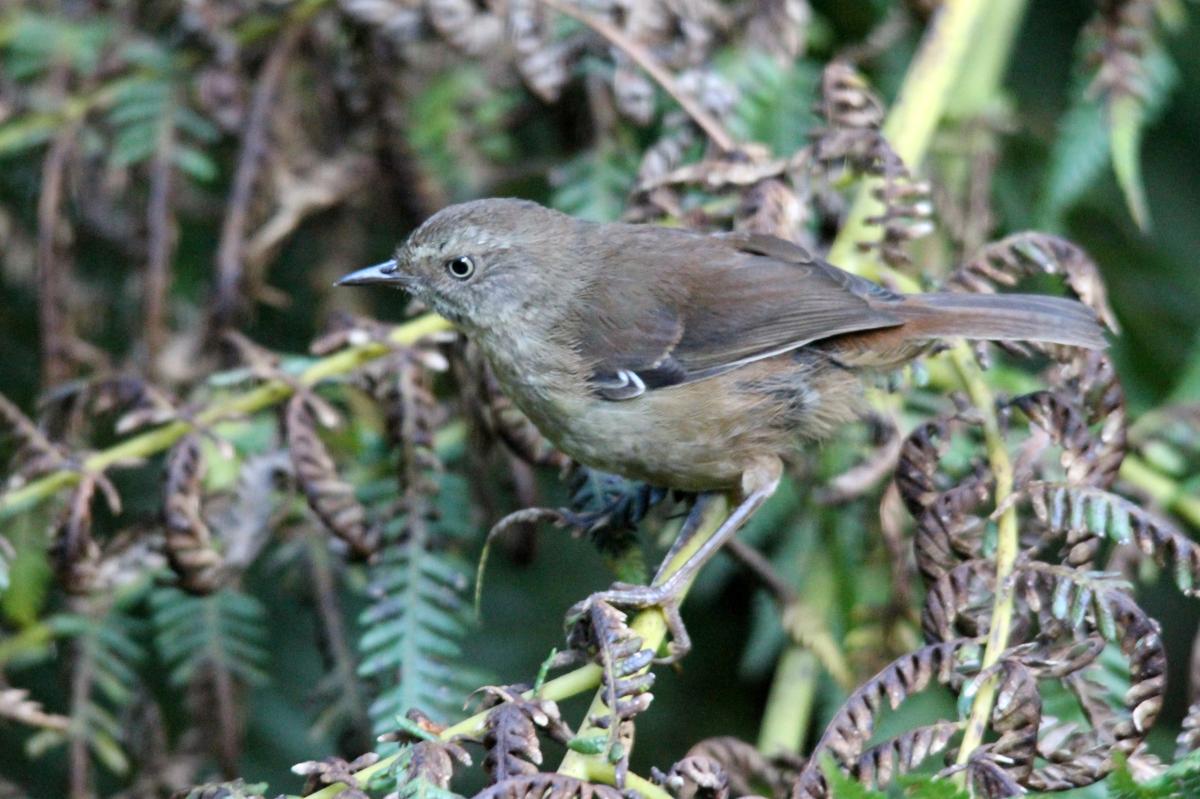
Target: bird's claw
627	596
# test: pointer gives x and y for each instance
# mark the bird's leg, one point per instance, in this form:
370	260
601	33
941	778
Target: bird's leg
759	482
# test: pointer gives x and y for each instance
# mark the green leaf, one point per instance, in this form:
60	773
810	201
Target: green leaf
194	163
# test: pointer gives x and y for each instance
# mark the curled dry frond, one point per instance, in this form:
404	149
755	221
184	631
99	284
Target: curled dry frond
626	680
465	25
188	541
1066	509
1015	716
548	786
1188	739
743	763
511	736
853	116
1089	757
880	765
1021	255
917	468
73	551
1123	32
331	498
1086	458
949	531
852	726
852	137
542	63
1090	378
427	766
958	602
35	453
335	770
697	777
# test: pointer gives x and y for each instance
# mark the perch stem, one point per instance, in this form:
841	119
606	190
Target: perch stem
650	625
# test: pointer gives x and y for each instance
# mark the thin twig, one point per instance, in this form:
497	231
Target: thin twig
646	60
245	177
754	560
160	223
52	283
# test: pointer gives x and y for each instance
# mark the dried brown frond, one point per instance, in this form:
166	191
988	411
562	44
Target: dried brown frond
228	300
331	498
1066	509
548	786
335	770
852	138
949	531
745	766
625	681
1091	755
880	765
465	25
73	552
35	453
541	62
188	543
958	603
15	705
1090	378
432	763
1123	32
1021	255
511	739
852	726
1086	458
1188	739
697	777
779	27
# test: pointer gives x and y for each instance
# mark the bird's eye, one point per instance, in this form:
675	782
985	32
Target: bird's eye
461	267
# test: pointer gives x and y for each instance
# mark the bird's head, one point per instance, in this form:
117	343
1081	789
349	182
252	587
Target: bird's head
480	264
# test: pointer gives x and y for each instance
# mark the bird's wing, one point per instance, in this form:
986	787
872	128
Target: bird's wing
753	297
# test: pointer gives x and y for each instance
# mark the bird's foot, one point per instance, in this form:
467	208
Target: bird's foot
626	596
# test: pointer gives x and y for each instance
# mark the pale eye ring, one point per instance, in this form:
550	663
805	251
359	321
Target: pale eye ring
461	268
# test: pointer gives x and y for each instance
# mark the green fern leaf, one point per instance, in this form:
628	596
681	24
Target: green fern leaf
225	631
107	655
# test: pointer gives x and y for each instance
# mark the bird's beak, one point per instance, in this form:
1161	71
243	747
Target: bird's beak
386	272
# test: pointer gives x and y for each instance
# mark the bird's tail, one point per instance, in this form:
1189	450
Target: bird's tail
927	318
1003	317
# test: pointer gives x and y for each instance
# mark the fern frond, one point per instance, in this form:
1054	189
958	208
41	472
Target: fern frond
594	184
104	681
225	631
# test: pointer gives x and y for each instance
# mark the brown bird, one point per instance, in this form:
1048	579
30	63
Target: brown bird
686	360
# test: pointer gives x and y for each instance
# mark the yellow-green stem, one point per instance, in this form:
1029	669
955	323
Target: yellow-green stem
1007	545
651	626
789	703
269	393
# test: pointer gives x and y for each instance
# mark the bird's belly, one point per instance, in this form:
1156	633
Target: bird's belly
696	436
